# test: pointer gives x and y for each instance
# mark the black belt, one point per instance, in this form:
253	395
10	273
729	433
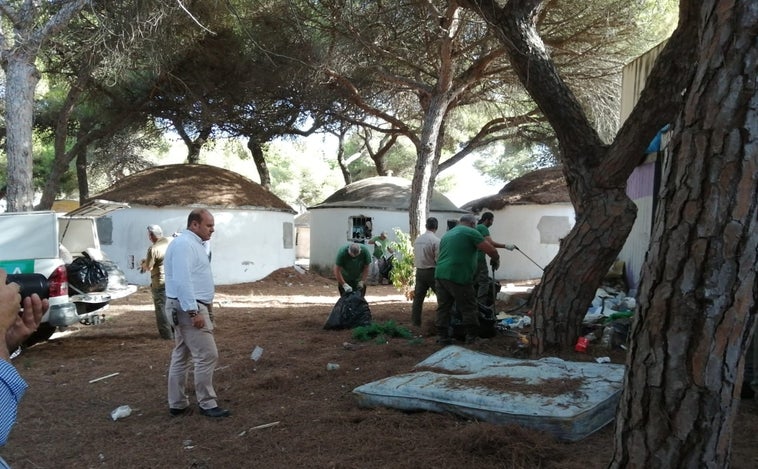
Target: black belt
206	304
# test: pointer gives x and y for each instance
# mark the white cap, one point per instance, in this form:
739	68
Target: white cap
155	230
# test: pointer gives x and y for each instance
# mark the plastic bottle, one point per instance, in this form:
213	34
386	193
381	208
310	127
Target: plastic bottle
121	412
607	336
581	344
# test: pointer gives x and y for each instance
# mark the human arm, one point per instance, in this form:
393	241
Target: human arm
509	247
487	247
341	279
26	322
149	261
14	329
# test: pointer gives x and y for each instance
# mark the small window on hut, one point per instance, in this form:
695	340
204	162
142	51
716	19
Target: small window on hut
359	229
553	228
287	229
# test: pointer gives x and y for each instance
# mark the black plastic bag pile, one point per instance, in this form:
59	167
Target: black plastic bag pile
86	275
350	311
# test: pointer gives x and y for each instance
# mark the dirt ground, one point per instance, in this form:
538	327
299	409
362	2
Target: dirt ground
288	410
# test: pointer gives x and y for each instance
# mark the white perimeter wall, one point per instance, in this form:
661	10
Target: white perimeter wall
247	245
536	230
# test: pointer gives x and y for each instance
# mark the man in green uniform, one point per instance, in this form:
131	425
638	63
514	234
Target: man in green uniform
153	263
381	246
454	275
351	268
482	277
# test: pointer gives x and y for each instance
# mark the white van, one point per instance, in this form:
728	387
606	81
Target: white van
44	242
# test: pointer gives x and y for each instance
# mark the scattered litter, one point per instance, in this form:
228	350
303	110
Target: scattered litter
603	359
188	444
121	412
221	367
332	366
259	427
103	377
257	352
266	425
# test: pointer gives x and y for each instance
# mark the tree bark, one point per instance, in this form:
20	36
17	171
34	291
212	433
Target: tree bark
346	176
81	174
425	162
21	77
260	162
699	290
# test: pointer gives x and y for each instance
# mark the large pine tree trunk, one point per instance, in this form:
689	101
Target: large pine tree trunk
568	283
697	300
421	188
21	77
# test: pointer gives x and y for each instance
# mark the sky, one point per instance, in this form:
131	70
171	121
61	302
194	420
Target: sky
471	184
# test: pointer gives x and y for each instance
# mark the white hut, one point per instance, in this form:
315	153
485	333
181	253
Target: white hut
533	212
254	228
364	209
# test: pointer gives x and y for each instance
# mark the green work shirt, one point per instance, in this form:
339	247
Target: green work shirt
379	245
457	258
485	232
352	267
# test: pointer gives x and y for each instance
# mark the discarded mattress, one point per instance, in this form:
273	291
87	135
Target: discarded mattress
569	400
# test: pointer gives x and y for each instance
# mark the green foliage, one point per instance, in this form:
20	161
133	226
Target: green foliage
380	332
403	274
300	173
506	162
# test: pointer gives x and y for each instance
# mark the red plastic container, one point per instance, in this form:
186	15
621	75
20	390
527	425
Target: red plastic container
581	344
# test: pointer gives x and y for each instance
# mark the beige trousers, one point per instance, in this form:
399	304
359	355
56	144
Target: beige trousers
194	347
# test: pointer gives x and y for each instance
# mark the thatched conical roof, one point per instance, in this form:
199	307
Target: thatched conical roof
382	192
542	186
193	184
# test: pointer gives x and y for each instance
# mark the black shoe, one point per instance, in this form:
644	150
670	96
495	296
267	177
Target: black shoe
178	412
444	341
215	412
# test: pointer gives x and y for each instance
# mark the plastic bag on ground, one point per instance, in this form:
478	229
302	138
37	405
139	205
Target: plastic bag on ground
350	311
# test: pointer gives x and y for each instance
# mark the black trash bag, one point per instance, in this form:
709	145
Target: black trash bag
350	311
385	266
487	322
86	275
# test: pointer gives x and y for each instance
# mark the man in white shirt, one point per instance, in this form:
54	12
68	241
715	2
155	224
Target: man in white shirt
189	298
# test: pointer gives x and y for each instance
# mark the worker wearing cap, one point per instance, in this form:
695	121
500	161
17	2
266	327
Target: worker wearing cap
153	263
